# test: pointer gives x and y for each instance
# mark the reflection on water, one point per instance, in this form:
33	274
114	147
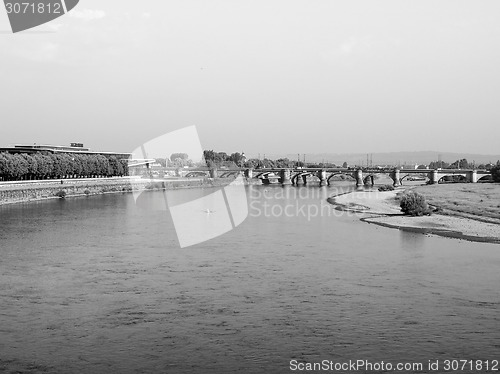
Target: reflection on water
96	285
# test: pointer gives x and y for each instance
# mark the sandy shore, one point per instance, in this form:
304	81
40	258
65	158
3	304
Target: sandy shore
382	208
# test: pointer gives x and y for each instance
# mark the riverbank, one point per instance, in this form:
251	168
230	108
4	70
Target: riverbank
462	210
23	192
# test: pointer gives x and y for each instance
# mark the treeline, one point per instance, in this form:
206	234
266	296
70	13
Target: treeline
495	172
462	164
283	163
218	159
46	165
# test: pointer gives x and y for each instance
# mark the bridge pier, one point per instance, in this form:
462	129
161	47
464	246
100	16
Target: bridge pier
296	179
304	179
359	177
433	177
369	181
321	174
328	180
472	176
395	176
285	178
249	173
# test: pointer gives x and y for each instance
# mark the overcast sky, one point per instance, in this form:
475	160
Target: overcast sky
258	76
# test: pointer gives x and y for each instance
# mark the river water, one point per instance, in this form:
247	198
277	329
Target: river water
97	285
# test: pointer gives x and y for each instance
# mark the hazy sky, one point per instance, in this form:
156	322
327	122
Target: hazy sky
258	76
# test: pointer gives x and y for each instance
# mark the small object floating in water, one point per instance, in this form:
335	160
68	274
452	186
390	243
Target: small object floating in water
208	211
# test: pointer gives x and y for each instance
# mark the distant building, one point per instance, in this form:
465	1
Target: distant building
73	148
409	166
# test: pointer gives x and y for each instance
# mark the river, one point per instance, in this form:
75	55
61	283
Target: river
97	285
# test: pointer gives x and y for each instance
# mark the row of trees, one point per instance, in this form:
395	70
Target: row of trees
59	165
461	164
213	158
218	159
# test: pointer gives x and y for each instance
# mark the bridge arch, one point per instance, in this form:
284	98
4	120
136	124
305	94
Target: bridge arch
420	177
485	177
228	174
462	179
299	175
403	178
340	173
263	174
196	174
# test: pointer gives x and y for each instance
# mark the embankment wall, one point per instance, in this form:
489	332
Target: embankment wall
34	191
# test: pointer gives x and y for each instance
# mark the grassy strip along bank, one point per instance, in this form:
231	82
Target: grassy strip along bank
479	201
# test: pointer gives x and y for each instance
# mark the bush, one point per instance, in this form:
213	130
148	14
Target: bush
387	187
414	204
61	194
495	173
86	192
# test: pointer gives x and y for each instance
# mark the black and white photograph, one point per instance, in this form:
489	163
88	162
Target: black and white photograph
249	187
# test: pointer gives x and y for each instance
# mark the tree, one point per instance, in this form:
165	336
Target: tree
345	165
75	166
103	167
161	161
251	164
214	158
47	166
495	172
460	164
32	166
60	165
283	163
266	163
223	156
116	168
439	165
124	168
414	204
175	156
6	166
3	166
20	167
236	157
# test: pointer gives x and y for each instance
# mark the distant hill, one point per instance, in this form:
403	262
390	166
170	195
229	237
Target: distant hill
392	158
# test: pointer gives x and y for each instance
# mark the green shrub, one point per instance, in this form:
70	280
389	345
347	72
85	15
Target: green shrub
414	204
61	194
387	187
495	173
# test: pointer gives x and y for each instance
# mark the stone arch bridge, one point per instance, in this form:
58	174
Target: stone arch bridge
365	176
360	176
